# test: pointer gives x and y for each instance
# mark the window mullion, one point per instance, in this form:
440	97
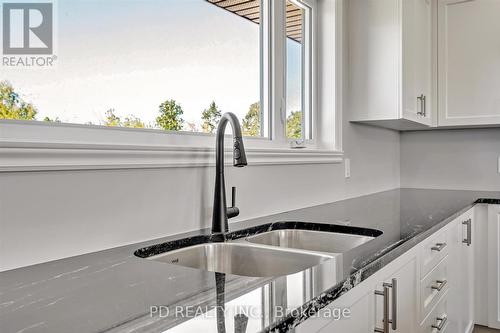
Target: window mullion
304	78
278	67
265	70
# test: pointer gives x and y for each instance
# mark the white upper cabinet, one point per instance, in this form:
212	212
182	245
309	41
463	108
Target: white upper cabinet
417	60
390	62
469	62
414	64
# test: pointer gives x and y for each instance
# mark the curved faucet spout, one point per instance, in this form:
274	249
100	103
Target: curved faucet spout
220	211
239	156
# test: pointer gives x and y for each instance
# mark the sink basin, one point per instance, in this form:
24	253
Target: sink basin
320	241
242	259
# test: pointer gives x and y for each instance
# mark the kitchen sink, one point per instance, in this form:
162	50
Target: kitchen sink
320	241
242	259
267	250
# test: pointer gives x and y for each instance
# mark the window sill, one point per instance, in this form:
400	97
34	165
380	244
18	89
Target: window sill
34	146
16	157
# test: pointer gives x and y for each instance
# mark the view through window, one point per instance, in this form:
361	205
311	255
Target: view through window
174	65
162	64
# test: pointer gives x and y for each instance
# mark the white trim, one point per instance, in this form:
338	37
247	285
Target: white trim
17	156
265	27
330	78
338	77
278	72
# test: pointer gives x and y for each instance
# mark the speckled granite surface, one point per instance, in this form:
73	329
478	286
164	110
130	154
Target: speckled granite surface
116	291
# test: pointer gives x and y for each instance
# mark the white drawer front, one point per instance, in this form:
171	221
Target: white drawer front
433	251
433	286
437	320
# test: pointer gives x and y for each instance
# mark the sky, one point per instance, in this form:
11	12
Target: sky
131	55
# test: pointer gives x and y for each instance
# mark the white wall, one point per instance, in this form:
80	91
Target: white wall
451	159
51	215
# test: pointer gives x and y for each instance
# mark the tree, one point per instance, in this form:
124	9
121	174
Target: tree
111	119
170	117
294	125
210	118
133	122
251	122
14	107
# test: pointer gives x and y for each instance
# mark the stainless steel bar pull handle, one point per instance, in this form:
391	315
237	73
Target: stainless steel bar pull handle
438	247
421	98
424	99
385	321
468	240
440	285
394	313
442	322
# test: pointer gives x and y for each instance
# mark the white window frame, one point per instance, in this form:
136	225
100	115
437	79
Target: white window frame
33	146
309	62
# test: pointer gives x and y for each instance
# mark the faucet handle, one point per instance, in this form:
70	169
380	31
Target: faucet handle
233	196
233	211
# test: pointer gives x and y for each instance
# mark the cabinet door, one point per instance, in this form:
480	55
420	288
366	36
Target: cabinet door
405	300
468	62
461	305
493	266
360	319
467	275
417	60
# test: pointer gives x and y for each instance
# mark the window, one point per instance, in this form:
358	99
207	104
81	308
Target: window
170	65
298	71
160	73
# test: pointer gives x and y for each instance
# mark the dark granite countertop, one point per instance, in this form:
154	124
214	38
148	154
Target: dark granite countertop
115	291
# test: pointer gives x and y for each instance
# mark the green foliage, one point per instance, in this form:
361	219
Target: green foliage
170	117
111	119
133	122
210	118
294	125
251	122
12	106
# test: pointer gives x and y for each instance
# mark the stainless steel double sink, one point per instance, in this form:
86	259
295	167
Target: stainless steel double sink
267	254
